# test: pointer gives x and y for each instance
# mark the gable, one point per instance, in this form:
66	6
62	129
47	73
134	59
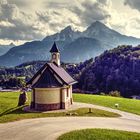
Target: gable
56	71
47	80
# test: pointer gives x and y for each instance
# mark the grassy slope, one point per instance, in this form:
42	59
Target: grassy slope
100	134
10	112
128	105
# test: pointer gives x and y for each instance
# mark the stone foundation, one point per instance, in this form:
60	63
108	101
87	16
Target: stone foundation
47	107
67	104
50	107
63	105
32	105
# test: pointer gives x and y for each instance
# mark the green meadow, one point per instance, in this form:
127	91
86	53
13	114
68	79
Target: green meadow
10	112
128	105
100	134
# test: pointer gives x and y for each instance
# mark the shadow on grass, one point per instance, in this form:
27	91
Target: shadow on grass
14	110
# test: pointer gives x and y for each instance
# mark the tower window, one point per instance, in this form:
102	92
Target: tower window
54	56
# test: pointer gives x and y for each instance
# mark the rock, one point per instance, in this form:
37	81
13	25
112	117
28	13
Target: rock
116	105
22	99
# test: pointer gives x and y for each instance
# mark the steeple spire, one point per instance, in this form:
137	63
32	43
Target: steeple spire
55	54
54	48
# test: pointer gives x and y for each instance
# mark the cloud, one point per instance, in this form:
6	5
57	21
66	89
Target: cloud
6	24
23	3
125	23
105	2
17	25
79	14
91	10
133	26
31	20
56	4
135	4
57	20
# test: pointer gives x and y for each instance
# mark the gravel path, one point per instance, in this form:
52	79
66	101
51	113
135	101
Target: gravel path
51	128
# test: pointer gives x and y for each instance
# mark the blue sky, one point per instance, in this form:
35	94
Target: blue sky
26	20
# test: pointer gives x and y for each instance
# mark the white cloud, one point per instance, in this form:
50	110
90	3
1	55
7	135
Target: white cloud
6	24
133	27
17	25
30	20
125	21
56	20
37	24
135	4
91	10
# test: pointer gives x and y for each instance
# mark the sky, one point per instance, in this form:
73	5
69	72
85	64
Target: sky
27	20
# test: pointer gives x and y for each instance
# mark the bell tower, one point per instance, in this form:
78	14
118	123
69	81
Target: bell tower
55	54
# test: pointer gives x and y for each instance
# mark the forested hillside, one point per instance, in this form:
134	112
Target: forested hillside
117	69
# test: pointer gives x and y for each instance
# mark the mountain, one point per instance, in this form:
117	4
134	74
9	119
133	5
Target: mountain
75	46
5	48
82	49
66	35
36	50
101	32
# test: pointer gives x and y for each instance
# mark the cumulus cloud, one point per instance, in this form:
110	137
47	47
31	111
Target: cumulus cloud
91	10
31	20
15	24
56	20
105	2
135	4
24	3
6	24
79	14
125	23
133	26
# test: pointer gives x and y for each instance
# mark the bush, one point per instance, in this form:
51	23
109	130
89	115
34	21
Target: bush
102	93
114	93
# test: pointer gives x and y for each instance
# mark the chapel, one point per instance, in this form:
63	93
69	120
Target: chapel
51	85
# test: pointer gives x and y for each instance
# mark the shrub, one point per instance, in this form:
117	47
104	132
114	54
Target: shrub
102	93
115	93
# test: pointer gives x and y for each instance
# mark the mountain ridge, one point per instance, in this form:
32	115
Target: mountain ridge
5	48
85	44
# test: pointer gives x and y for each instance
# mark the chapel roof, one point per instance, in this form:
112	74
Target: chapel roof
51	75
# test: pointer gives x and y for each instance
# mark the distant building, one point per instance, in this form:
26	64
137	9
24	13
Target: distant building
135	97
51	85
0	88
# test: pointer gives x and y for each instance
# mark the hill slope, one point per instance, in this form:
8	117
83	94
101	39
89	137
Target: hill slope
81	49
117	69
5	48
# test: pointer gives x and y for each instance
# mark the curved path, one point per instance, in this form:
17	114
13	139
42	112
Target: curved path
51	128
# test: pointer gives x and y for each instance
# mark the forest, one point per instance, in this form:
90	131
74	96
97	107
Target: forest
114	70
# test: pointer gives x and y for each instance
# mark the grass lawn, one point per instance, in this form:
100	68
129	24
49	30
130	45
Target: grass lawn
10	112
100	134
128	105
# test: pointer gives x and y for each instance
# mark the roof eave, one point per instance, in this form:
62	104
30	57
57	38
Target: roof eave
72	83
